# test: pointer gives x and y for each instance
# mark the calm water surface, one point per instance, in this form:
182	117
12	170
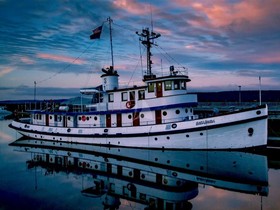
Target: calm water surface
43	175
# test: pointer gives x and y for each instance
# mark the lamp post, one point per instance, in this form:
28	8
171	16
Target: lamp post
239	95
35	83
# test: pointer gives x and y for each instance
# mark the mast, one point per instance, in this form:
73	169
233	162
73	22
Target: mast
146	38
111	40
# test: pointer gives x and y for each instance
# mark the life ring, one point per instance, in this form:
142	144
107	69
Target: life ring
129	104
84	118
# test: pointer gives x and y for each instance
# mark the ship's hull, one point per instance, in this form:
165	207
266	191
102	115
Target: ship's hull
235	130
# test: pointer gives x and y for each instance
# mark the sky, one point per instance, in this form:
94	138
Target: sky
221	44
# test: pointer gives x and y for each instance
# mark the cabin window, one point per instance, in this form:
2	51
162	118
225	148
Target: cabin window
183	85
141	94
176	85
132	96
111	97
168	85
124	96
151	87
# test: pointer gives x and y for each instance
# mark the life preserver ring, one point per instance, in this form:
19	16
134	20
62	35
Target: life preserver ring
84	118
129	104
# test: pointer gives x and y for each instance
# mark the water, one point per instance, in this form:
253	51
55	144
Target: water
46	175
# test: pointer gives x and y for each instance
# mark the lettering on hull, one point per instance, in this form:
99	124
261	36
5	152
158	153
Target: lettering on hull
204	122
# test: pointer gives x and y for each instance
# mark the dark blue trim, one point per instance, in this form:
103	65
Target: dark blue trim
192	104
120	135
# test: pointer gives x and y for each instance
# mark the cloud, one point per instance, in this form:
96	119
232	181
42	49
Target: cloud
5	71
26	60
60	58
132	6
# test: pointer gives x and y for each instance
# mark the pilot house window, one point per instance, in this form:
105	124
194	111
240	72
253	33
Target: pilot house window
168	85
151	87
176	85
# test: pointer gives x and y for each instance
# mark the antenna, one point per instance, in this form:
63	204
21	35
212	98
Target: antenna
152	21
146	38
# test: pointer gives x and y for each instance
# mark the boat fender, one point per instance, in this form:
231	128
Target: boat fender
174	126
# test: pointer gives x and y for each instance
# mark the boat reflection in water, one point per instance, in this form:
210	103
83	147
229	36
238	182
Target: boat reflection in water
159	179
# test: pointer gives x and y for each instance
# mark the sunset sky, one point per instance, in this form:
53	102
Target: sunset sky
223	44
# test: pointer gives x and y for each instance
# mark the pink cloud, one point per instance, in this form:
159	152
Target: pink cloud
27	60
5	71
60	58
220	13
267	58
132	6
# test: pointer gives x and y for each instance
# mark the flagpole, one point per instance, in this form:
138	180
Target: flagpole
111	41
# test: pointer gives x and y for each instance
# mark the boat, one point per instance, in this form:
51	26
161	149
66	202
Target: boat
158	114
164	179
4	112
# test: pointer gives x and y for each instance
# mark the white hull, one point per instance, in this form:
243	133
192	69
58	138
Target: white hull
236	130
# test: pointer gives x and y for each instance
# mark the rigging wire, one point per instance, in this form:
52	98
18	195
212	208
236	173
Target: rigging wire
66	67
169	56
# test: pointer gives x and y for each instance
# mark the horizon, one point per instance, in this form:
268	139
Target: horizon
223	44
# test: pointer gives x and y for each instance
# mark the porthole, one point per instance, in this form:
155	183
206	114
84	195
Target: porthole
129	116
142	115
80	118
143	176
174	125
87	118
187	135
50	117
164	113
186	110
156	139
177	111
95	118
69	118
250	131
201	134
258	112
167	137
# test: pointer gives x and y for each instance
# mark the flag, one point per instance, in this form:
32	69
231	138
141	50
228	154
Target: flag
96	33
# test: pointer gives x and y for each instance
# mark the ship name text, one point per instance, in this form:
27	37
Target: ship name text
205	122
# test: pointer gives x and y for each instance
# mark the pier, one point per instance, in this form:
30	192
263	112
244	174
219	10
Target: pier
221	107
